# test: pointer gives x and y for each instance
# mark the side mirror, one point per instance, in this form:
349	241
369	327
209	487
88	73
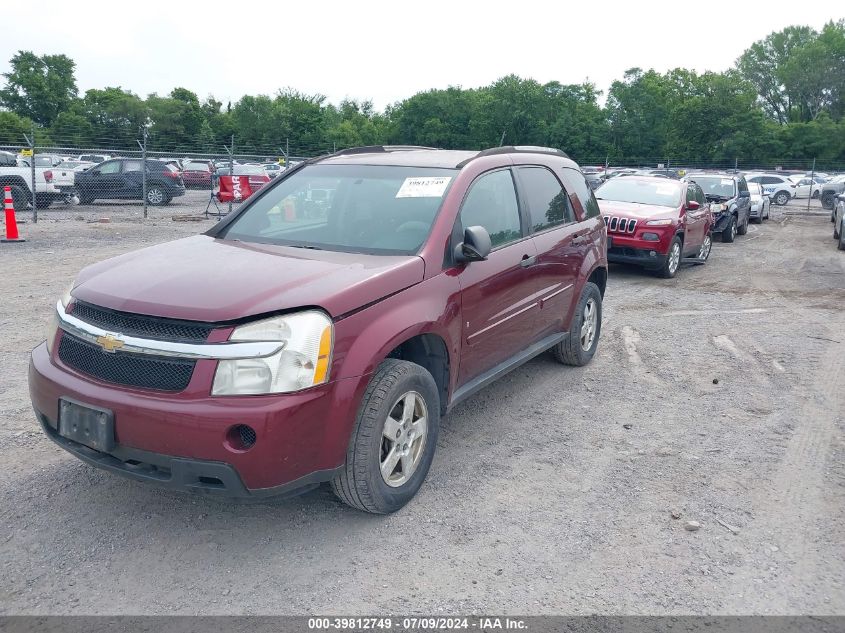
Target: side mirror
693	205
475	247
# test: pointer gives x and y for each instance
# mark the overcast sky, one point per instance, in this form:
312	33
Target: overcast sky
385	50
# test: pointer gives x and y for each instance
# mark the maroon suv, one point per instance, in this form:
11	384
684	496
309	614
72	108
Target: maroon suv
307	338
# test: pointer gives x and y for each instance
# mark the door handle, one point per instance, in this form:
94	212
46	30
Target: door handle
528	260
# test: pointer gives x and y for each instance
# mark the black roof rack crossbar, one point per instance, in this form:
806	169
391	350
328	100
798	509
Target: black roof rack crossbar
378	149
521	149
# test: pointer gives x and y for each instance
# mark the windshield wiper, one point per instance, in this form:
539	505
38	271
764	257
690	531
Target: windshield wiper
308	246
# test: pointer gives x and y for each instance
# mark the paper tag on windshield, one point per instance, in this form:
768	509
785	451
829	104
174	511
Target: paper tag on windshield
423	187
727	181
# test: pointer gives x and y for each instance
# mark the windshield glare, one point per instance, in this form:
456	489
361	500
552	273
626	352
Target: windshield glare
715	186
355	208
663	192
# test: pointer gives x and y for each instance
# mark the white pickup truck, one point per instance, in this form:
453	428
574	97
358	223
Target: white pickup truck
20	180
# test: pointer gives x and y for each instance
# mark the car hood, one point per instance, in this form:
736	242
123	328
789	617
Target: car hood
633	210
201	278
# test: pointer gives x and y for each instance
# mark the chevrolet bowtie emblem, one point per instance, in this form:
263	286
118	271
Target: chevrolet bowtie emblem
110	343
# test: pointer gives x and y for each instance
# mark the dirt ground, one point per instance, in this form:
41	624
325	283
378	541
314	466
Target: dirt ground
551	492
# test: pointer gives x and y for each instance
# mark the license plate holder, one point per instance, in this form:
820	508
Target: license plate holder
87	425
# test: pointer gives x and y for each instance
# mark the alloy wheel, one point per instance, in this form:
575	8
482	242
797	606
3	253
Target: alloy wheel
155	196
589	324
674	258
403	439
704	251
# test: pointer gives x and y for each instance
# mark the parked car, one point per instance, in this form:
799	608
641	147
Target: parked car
655	222
122	179
830	190
326	351
839	221
780	189
75	165
198	174
19	179
760	203
273	169
730	202
809	187
94	158
595	179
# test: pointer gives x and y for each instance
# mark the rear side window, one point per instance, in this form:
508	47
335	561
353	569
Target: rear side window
548	204
131	165
691	193
112	167
582	194
491	203
742	185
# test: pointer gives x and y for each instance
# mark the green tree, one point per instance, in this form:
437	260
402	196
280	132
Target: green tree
13	128
39	87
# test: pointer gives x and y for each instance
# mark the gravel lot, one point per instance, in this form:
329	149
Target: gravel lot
551	492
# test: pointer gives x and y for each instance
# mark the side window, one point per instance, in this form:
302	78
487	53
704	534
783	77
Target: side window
699	196
769	180
742	185
111	167
581	195
491	203
691	193
548	203
131	165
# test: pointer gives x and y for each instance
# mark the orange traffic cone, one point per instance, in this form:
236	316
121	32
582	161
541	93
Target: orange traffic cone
11	223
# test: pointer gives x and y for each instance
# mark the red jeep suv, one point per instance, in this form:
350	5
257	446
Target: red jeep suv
296	343
656	222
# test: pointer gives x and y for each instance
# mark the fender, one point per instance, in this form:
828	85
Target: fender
364	339
593	260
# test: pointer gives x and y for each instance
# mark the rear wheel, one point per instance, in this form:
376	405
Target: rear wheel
394	438
20	198
782	197
827	200
729	234
156	196
580	346
705	248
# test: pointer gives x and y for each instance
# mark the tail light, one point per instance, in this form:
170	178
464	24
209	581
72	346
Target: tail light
48	175
173	174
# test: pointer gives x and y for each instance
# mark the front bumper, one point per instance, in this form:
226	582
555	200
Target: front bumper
645	257
178	440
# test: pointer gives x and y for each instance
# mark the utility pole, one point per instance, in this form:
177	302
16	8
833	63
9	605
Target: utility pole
287	154
144	166
502	140
30	141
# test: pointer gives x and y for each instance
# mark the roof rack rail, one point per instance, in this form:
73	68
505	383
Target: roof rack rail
376	149
521	149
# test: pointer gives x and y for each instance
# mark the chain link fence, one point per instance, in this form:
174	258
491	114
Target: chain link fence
109	178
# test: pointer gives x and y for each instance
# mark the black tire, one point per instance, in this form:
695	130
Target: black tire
729	234
781	198
816	194
20	198
827	200
672	264
571	350
841	244
768	212
835	232
361	484
157	196
742	229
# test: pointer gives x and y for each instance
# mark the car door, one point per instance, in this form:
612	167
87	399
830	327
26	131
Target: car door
106	179
499	294
561	243
695	220
133	179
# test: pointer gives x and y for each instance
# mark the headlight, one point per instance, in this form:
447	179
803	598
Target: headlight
303	362
663	222
53	323
717	208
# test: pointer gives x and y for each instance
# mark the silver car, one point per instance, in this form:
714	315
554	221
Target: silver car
839	221
760	203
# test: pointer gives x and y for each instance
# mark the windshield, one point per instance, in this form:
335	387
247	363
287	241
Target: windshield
716	185
664	192
354	208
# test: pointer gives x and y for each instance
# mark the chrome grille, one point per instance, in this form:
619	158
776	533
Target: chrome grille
619	225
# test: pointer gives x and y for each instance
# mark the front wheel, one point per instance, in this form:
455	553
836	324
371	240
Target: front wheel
394	438
782	198
729	234
742	229
580	346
